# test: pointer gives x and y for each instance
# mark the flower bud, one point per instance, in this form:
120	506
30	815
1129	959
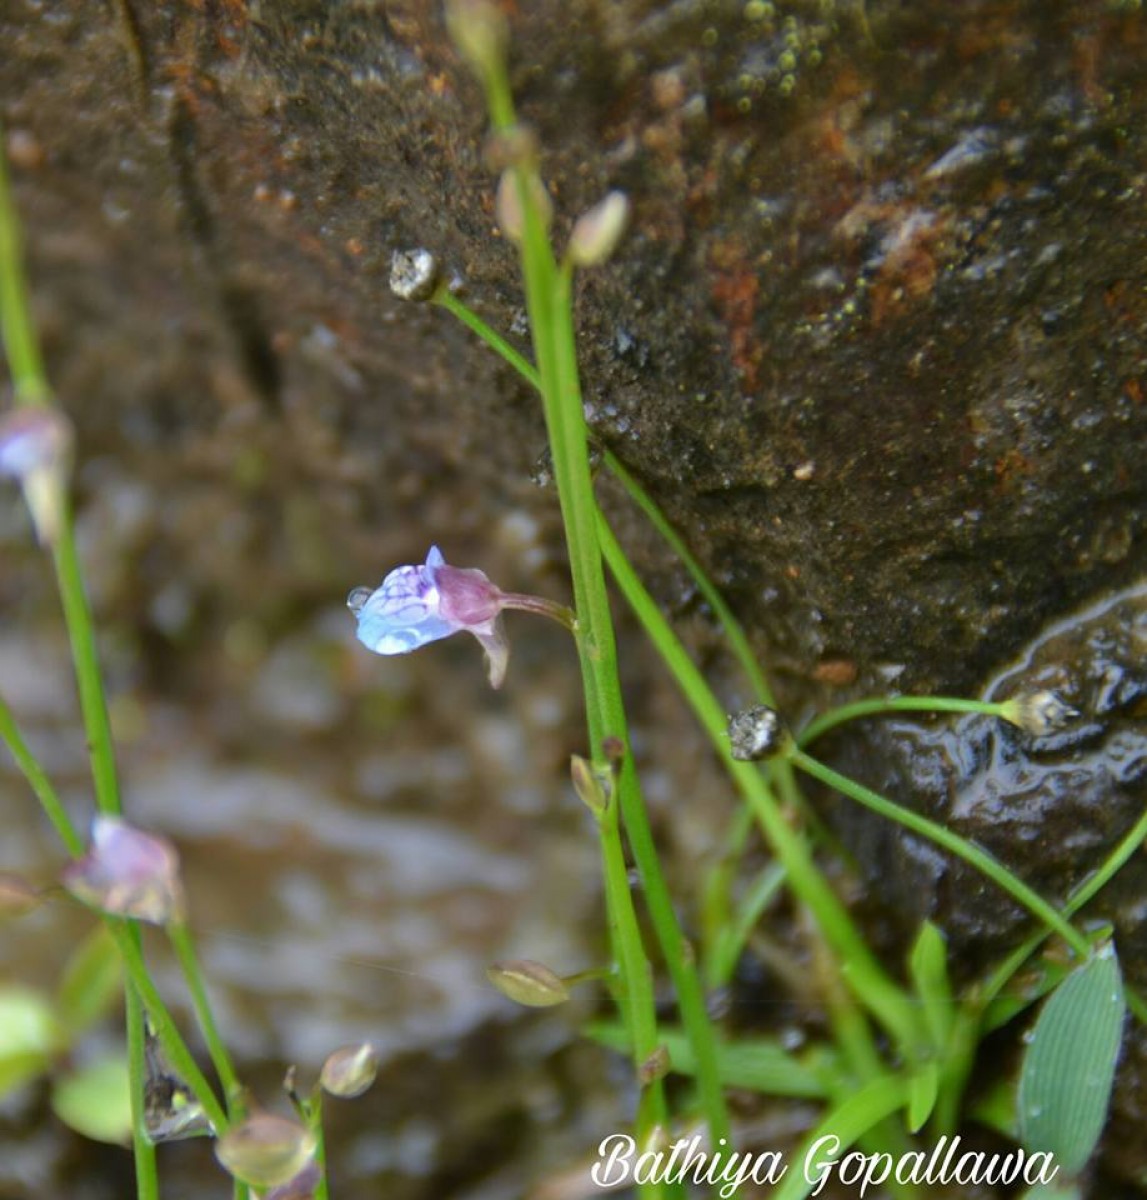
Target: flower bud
36	450
594	786
527	982
266	1151
479	33
414	274
597	232
350	1070
127	873
1039	713
655	1067
756	732
508	204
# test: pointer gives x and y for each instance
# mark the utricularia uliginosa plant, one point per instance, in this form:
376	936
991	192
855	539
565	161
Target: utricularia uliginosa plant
885	1071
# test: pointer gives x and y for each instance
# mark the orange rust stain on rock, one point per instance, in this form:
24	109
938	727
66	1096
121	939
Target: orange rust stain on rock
734	289
836	672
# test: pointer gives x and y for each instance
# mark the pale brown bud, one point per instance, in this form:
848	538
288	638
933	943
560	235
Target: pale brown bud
593	785
528	982
350	1070
508	204
597	232
479	33
1039	713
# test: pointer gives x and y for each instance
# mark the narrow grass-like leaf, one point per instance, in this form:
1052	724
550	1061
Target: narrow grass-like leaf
845	1123
923	1088
756	1064
928	964
1069	1067
91	984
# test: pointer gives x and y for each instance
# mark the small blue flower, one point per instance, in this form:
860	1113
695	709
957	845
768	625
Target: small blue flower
403	613
416	605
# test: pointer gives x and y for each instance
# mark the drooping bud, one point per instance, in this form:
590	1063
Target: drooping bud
597	232
1038	713
350	1070
36	449
266	1151
414	275
756	732
528	982
508	204
479	33
127	873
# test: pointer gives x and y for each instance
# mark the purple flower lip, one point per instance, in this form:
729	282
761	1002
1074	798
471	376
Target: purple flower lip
128	873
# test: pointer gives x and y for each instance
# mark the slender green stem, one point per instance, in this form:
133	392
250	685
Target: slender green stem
146	1169
49	799
23	349
727	948
31	387
665	923
164	1025
734	631
1129	845
447	300
549	304
184	947
126	933
315	1120
860	967
961	847
821	724
81	634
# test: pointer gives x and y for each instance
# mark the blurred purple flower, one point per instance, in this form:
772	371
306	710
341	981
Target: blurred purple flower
128	873
32	439
36	450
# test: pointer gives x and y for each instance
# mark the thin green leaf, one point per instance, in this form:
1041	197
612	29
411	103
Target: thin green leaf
928	964
923	1088
842	1126
756	1064
1039	978
29	1036
92	983
96	1101
1069	1067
